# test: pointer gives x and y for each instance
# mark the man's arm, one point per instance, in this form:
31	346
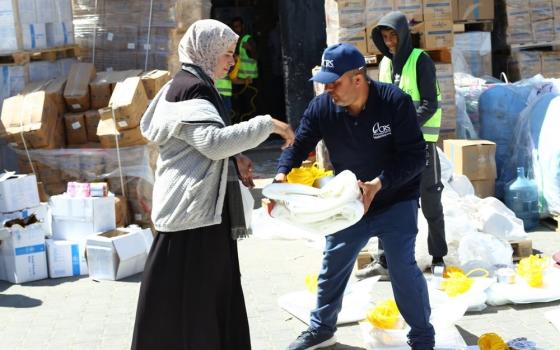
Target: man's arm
307	137
426	79
410	158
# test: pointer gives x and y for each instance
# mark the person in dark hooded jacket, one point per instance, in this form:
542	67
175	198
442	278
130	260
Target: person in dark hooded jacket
413	71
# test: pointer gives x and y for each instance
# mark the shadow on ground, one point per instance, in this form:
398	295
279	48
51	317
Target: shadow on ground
18	301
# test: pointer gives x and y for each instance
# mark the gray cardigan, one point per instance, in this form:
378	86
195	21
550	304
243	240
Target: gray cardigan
194	147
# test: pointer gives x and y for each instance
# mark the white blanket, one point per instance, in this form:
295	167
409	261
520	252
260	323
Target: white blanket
323	211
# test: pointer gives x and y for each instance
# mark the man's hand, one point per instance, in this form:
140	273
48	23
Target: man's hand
369	190
284	130
245	167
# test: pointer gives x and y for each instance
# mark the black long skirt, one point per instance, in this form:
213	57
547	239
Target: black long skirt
191	296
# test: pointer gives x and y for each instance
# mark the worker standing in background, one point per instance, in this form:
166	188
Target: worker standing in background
413	71
244	88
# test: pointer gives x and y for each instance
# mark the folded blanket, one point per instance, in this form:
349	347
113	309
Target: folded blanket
324	210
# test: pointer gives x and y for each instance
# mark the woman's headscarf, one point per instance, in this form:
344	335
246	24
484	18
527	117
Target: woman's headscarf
203	42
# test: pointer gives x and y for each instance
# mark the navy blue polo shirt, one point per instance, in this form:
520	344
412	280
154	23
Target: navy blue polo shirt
384	140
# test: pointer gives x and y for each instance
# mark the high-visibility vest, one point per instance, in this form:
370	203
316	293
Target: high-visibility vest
223	86
248	67
409	84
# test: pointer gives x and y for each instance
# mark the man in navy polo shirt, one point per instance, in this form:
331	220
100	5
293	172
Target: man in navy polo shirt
371	129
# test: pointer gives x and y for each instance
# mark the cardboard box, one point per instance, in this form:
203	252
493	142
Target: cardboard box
56	136
449	116
476	159
344	14
18	192
437	9
541	10
92	121
75	126
53	88
364	258
412	9
129	102
22	253
104	83
484	188
550	62
66	258
107	129
354	36
519	29
543	30
521	249
121	211
118	253
154	80
373	73
34	115
473	10
524	64
41	212
76	92
437	34
76	218
375	9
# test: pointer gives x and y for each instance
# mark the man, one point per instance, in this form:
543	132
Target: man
413	71
371	129
244	89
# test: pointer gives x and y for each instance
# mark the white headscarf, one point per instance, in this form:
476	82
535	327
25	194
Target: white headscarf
203	42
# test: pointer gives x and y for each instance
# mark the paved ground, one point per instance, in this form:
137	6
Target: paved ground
79	313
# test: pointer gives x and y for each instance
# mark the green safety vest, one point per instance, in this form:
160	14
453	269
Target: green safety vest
223	86
408	84
247	66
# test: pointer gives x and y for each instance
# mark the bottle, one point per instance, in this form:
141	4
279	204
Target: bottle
522	196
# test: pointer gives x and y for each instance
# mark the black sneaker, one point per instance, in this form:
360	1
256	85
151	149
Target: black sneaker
313	339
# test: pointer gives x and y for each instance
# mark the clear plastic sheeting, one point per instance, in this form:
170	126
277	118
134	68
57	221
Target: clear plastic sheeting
122	34
472	53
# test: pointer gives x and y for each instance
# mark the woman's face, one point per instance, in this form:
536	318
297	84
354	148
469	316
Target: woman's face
224	62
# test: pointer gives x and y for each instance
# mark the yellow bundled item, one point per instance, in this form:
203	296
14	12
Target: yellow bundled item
531	269
385	314
458	282
311	283
235	70
450	269
491	341
308	175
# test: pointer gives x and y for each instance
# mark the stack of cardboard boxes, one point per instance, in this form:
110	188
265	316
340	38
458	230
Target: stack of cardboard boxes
476	159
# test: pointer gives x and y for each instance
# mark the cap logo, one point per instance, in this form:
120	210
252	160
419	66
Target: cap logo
328	63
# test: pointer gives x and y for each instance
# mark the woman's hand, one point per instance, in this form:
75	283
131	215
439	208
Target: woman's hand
284	130
245	167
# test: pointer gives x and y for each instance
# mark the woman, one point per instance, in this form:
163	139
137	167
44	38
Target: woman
191	296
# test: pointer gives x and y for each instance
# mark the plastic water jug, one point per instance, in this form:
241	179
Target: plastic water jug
522	196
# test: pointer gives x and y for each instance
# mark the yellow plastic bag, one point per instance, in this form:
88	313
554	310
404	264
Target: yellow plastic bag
385	314
531	269
458	282
311	283
235	70
307	175
491	341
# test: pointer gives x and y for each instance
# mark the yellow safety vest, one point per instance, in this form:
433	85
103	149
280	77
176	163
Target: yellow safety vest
248	67
409	84
223	86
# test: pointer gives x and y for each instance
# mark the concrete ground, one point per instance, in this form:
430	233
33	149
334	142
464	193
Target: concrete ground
80	313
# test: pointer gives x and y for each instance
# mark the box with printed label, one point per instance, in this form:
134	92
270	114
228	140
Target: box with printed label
22	253
66	258
436	34
551	64
476	159
375	9
75	126
118	253
107	130
92	121
412	9
475	10
345	13
75	218
437	9
18	192
76	92
129	102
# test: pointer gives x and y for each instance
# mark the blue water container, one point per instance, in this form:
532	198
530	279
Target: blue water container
522	196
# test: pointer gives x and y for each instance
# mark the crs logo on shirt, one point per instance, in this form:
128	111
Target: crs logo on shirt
380	131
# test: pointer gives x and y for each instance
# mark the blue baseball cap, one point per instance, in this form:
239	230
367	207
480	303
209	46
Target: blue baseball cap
338	59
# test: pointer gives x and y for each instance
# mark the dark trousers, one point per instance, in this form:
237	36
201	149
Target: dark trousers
397	226
430	199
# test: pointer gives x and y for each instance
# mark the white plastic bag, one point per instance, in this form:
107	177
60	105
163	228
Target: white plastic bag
484	248
248	204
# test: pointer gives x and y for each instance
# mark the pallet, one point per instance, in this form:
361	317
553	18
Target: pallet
535	44
552	222
50	54
437	55
468	26
14	58
54	53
